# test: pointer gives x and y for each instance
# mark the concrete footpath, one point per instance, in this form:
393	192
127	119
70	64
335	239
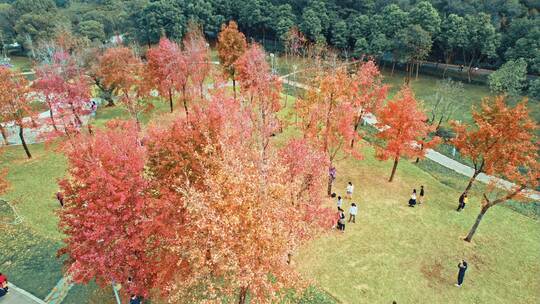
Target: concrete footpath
440	158
16	295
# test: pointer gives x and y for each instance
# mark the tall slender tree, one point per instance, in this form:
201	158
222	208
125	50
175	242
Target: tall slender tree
327	117
121	69
231	45
368	92
15	102
404	129
197	54
498	135
524	173
167	68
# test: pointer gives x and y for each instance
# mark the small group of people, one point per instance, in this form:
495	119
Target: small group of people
353	209
3	285
414	200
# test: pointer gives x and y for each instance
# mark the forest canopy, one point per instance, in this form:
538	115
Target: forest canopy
470	32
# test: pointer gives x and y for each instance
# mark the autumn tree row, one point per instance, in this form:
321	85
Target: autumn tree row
208	208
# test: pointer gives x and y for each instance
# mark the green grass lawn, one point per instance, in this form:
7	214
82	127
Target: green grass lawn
410	255
26	256
393	252
23	64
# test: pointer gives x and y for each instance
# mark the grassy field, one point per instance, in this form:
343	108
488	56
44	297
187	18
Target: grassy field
410	255
22	64
393	252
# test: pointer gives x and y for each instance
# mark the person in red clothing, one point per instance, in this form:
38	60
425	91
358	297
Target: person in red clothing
3	283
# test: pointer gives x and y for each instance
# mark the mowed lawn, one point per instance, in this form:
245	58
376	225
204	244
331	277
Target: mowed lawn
410	255
393	252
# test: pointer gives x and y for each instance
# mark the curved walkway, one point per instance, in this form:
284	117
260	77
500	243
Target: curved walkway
442	159
16	295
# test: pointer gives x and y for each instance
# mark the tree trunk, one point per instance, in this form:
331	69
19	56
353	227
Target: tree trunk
234	87
477	222
52	117
201	88
418	67
185	100
393	66
396	160
471	181
170	100
243	295
329	189
4	135
356	125
21	135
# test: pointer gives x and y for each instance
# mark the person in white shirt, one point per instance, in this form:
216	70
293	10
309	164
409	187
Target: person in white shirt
350	189
353	210
339	202
412	200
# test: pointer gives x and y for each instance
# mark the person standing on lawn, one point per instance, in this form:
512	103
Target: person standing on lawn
461	274
350	190
421	197
353	210
412	200
463	200
339	202
341	220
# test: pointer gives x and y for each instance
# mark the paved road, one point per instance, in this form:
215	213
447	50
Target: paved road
19	296
442	159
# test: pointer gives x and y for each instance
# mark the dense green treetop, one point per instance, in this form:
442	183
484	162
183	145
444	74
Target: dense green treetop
470	32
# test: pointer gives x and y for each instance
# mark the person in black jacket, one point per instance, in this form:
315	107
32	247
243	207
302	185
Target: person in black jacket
461	274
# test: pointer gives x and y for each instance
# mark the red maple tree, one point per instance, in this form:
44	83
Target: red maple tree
167	68
105	214
404	129
197	53
66	90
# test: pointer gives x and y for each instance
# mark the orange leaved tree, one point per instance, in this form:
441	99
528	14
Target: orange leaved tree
497	137
327	117
368	92
15	102
231	45
404	129
524	172
122	69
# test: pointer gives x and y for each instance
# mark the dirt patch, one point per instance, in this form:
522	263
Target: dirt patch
433	273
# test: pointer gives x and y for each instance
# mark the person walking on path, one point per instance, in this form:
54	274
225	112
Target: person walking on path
412	200
421	197
353	210
461	274
463	200
339	202
350	190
